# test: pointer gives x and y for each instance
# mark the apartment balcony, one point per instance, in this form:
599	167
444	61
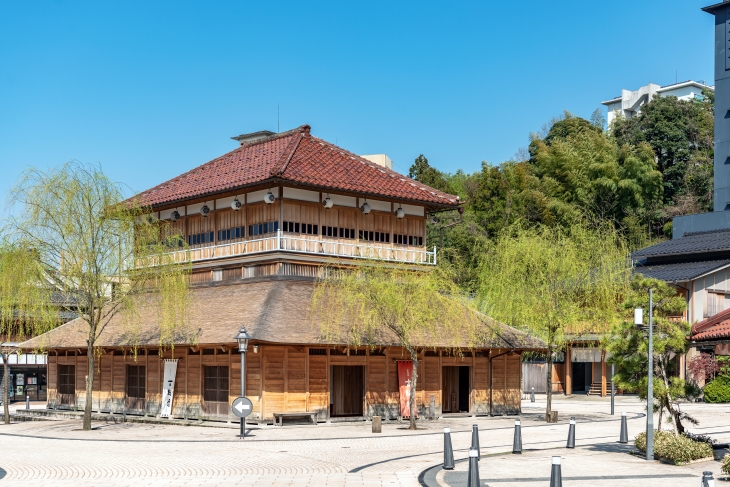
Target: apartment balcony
314	245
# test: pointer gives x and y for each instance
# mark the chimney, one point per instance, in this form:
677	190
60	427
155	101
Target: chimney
253	136
380	160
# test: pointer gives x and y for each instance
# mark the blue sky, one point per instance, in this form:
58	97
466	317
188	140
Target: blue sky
152	89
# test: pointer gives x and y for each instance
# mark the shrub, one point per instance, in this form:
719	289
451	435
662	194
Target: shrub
718	390
726	464
677	448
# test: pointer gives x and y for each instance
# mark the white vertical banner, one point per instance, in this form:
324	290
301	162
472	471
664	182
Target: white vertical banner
168	387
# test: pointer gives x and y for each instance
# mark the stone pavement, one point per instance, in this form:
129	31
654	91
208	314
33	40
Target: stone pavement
57	453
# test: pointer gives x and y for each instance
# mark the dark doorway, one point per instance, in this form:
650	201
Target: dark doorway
579	376
136	382
215	391
456	389
347	386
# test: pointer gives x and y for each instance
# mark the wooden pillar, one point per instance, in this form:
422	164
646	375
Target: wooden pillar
603	373
568	372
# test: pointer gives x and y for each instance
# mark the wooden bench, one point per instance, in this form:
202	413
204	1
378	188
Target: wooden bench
279	417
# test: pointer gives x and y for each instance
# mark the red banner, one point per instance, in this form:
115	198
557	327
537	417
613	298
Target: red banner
405	372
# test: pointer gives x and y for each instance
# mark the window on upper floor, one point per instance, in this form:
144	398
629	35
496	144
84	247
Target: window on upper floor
231	233
296	227
200	238
374	236
407	240
262	228
338	232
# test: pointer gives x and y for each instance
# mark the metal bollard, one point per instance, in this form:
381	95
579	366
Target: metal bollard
624	438
571	434
556	476
707	479
517	442
27	402
532	395
475	440
473	479
448	450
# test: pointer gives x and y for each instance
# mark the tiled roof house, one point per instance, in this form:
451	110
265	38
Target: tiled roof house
259	222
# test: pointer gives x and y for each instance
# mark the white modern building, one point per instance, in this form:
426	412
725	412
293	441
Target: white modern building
630	102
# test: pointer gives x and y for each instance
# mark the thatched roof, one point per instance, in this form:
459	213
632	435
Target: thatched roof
274	310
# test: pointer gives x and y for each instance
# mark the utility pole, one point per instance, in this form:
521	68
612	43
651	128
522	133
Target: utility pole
650	386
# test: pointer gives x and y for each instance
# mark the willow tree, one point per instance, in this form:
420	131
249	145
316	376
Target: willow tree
554	283
375	303
109	253
25	305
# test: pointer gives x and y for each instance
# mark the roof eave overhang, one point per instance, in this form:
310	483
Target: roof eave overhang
710	9
278	180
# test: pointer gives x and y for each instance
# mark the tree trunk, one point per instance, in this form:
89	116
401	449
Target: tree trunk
412	398
6	387
89	380
549	383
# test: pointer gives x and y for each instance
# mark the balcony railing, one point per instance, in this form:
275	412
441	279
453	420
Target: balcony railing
316	245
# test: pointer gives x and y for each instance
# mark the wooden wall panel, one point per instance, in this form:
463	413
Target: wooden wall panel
52	380
154	384
432	382
262	212
230	219
348	218
318	379
253	381
105	375
513	393
118	383
382	223
82	366
194	392
499	377
273	371
376	397
481	385
296	380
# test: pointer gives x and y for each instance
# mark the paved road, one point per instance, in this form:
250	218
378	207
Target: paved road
56	453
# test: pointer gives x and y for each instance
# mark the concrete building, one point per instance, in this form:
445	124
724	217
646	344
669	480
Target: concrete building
630	102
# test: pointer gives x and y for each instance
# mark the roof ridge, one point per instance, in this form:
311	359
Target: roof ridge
289	152
391	172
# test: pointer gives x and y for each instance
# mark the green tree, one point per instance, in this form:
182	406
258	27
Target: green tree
629	348
376	303
26	309
681	134
554	283
423	172
103	250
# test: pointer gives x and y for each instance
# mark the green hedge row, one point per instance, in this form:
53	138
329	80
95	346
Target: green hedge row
718	389
676	448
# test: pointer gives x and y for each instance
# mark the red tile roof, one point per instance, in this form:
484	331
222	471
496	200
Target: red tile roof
297	157
711	328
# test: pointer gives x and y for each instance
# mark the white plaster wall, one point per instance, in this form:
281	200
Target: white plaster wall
256	196
301	194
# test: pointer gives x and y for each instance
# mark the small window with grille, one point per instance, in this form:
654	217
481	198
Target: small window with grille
67	379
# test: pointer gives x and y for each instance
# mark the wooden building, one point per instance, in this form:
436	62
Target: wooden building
259	222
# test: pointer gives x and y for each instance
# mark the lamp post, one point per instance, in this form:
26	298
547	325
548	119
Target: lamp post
638	320
242	338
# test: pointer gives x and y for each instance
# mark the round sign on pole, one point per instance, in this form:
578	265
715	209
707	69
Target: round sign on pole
242	406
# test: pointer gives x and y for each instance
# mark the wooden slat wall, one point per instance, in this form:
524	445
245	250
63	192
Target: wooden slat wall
416	226
253	382
230	219
52	379
382	223
154	384
273	371
432	381
194	391
481	386
287	378
262	212
348	218
499	378
512	383
296	379
200	224
376	396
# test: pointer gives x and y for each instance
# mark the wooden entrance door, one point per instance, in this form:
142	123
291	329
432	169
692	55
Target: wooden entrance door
67	385
136	380
348	390
215	390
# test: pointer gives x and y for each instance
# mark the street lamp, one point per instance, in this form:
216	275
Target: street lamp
639	322
242	338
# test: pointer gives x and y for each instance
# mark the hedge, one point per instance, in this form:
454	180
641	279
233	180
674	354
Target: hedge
726	463
677	448
718	390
